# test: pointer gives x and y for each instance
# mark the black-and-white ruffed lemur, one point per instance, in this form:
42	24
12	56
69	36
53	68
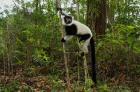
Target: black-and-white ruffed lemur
83	32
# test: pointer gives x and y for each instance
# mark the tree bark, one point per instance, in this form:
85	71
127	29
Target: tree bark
96	16
91	14
100	23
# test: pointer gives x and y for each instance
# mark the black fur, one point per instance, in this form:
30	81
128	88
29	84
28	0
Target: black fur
63	40
93	59
68	19
84	37
71	30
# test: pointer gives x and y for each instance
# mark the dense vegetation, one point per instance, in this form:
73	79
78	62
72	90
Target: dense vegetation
31	52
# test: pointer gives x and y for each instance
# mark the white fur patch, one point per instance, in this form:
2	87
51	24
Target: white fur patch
82	28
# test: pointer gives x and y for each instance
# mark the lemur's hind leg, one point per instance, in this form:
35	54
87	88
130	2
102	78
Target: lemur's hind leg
84	40
85	46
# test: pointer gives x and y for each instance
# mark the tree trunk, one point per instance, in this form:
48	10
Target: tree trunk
58	5
96	16
100	23
91	14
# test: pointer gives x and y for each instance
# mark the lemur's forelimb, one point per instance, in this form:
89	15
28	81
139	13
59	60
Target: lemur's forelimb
66	38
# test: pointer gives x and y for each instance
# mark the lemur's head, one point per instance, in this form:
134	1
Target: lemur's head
66	19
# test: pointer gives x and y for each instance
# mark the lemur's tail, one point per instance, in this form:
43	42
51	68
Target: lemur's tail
93	60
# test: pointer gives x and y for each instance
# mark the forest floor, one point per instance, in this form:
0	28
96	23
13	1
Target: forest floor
21	83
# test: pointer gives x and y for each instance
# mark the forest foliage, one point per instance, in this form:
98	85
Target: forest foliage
31	52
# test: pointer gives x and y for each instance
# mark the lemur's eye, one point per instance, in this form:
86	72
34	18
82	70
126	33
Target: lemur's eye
68	20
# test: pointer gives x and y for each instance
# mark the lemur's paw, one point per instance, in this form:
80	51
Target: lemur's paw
82	54
63	40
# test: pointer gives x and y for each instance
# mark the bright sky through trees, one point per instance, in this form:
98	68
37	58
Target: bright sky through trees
5	4
8	4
